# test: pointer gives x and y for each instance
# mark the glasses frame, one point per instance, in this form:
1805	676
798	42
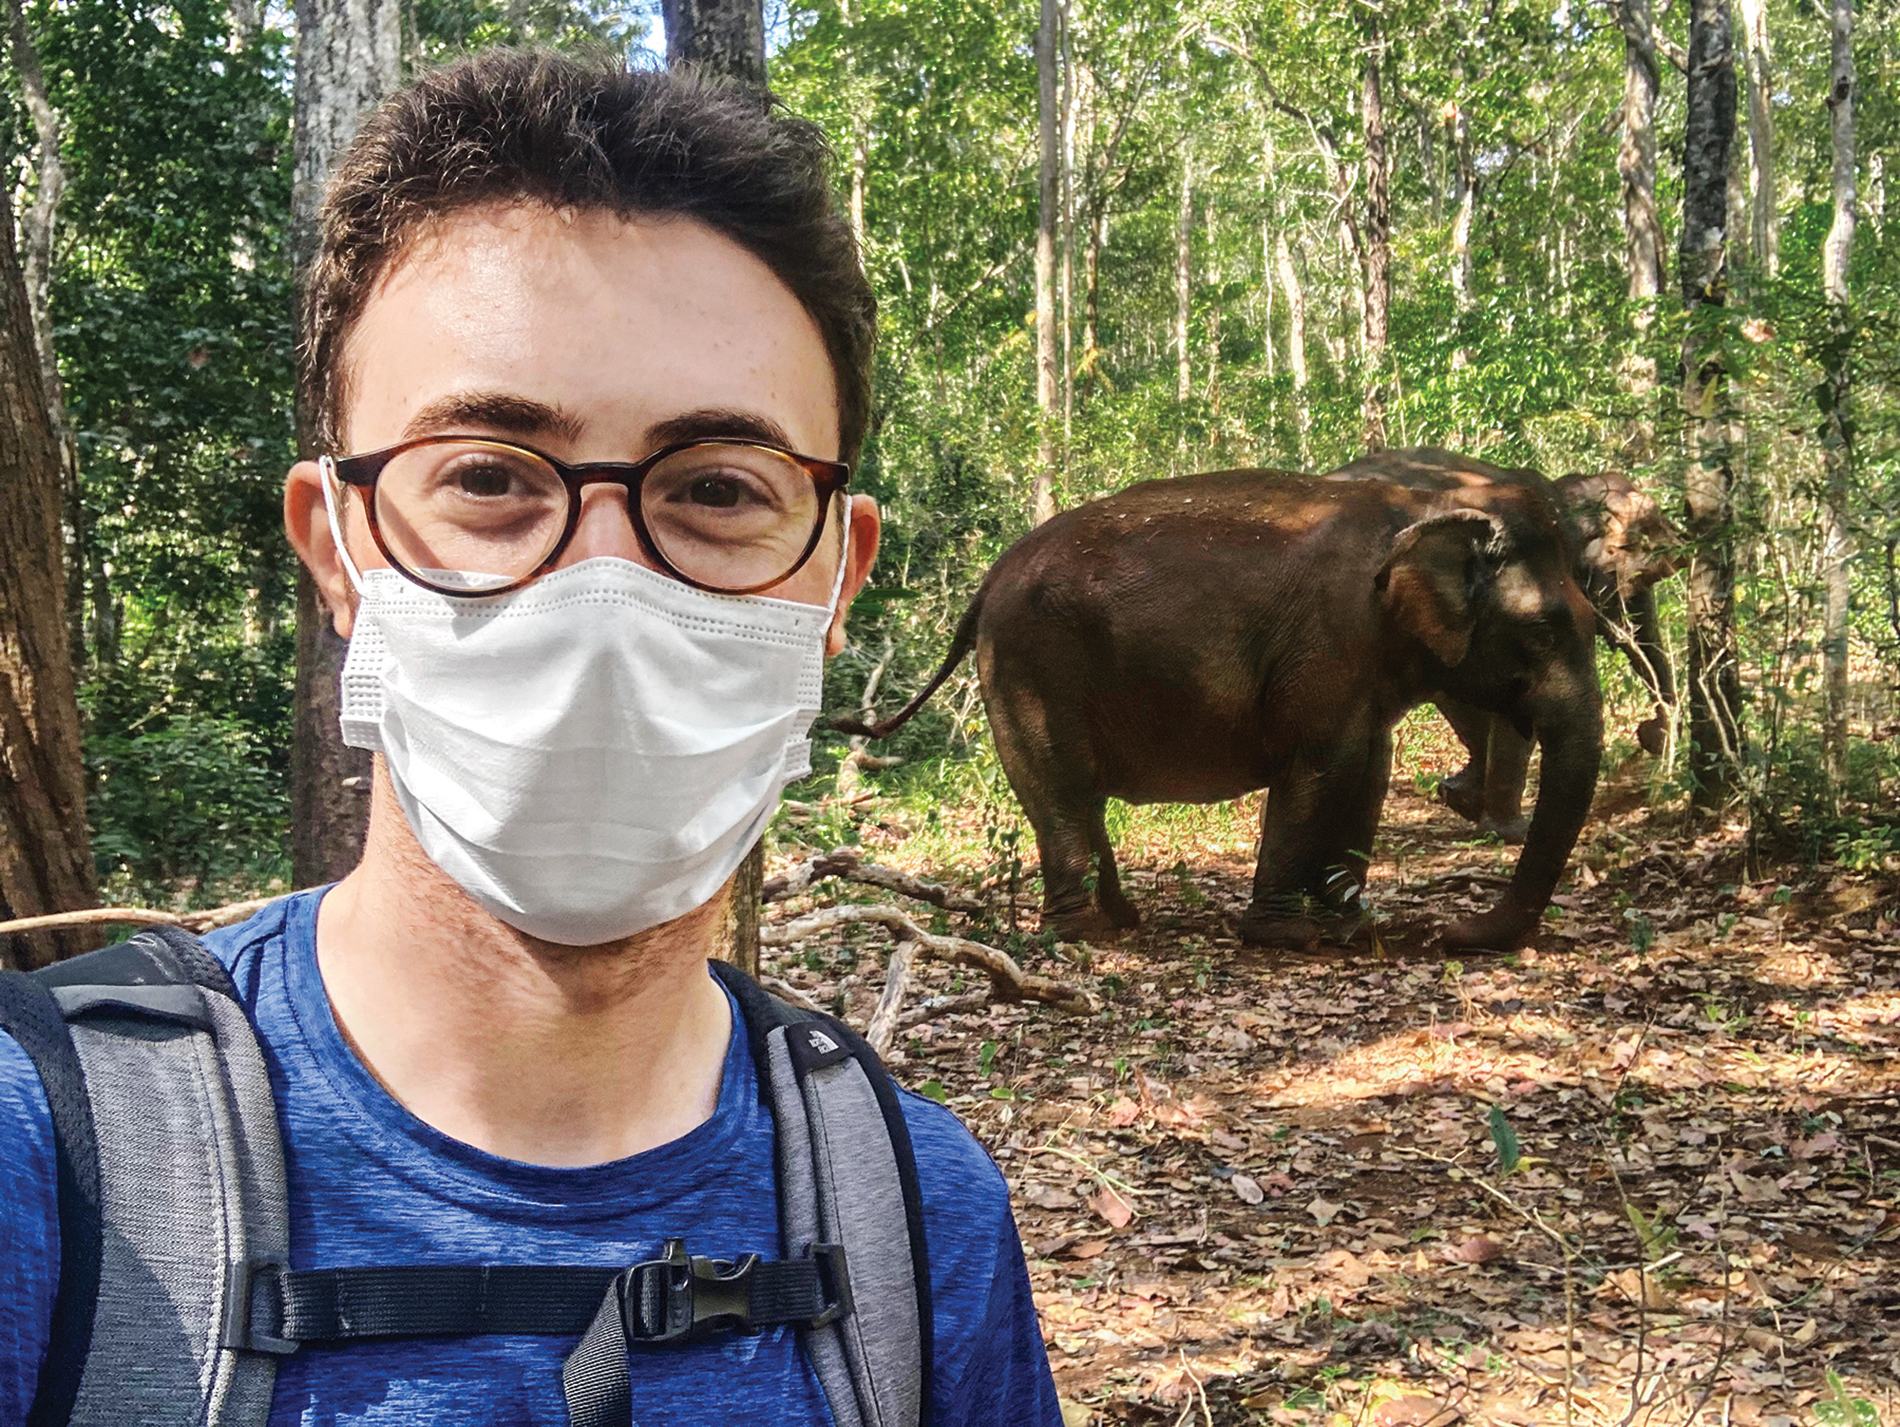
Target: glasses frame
363	469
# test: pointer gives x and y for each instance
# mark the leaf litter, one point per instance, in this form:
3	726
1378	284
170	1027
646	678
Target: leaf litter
1644	1171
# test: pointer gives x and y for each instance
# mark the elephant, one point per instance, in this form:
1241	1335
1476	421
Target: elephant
1622	546
1198	638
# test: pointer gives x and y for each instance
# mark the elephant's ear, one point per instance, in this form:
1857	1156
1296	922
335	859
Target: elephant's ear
1431	579
1638	540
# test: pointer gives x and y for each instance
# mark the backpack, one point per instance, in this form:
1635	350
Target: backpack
175	1294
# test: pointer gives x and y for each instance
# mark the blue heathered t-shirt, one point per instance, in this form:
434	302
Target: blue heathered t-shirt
371	1184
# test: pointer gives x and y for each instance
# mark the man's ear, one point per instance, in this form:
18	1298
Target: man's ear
865	524
308	526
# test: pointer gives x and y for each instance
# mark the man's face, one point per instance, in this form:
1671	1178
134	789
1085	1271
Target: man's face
591	338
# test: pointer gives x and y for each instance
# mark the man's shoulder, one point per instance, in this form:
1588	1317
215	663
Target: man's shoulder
950	1159
244	947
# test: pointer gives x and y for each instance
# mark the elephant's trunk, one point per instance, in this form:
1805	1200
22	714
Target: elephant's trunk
1570	731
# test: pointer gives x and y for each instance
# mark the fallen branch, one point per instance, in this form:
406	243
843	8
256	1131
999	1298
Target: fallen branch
884	1019
209	919
848	863
1008	981
785	991
939	1006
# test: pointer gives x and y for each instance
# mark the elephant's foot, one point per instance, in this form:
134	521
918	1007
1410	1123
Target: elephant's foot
1463	793
1512	832
1120	912
1089	924
1500	929
1301	932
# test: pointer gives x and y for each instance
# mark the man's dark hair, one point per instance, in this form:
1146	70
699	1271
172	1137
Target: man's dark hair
536	127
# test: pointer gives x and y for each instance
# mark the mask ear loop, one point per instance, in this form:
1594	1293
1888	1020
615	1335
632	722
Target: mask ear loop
844	560
332	498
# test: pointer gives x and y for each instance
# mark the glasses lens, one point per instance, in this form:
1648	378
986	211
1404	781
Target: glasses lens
470	514
732	517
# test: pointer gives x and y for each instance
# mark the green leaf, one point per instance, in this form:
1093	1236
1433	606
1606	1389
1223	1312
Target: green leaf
933	1090
1510	1153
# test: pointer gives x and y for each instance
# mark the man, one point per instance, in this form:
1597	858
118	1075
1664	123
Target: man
592	350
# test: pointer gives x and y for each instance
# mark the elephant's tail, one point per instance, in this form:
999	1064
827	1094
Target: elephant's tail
959	646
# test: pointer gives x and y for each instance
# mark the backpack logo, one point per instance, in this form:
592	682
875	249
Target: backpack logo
821	1042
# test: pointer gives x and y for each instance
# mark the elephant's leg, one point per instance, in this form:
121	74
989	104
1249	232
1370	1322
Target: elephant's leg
1506	767
1361	807
1304	842
1046	755
1463	791
1115	906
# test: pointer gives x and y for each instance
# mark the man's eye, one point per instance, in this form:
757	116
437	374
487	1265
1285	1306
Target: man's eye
485	481
716	491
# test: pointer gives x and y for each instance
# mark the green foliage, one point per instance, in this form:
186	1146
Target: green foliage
1842	1410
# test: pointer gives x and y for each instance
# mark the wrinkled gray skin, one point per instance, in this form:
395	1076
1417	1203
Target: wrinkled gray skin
1622	546
1192	640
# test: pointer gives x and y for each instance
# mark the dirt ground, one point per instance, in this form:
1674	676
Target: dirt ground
1645	1171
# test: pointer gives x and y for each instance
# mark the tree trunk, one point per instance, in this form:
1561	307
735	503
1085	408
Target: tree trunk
1378	243
1214	279
1295	316
37	230
45	855
1642	230
1837	428
1464	199
1066	237
1764	229
1183	279
727	37
1092	304
349	55
1714	674
860	122
1043	497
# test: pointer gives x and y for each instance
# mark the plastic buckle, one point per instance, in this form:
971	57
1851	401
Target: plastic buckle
240	1332
835	1282
680	1297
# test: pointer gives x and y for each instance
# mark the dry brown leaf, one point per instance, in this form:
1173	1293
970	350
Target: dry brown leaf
1112	1207
1323	1211
1123	1113
1476	1249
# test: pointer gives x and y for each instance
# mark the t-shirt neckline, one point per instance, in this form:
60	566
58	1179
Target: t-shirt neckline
385	1129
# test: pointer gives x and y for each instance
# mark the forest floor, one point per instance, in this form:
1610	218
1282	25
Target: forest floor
1273	1188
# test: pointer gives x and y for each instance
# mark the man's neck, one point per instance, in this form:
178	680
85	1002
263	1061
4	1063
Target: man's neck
549	1054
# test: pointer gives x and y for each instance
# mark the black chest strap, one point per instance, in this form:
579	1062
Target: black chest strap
674	1298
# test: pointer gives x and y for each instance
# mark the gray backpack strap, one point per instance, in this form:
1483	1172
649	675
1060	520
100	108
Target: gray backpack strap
848	1177
174	1078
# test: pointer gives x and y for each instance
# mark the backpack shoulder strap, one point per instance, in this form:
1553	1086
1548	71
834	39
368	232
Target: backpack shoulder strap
169	1072
32	1017
848	1177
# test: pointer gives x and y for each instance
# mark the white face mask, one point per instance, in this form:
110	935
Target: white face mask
591	755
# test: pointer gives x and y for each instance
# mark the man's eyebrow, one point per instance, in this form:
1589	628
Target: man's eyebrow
493	411
718	421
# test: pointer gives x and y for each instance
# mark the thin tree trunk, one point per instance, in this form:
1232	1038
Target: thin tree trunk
1642	229
1378	242
1876	205
1837	443
1714	674
1295	316
1067	236
1043	496
1765	229
45	856
727	38
1092	313
1464	199
860	122
349	55
1183	278
1214	279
